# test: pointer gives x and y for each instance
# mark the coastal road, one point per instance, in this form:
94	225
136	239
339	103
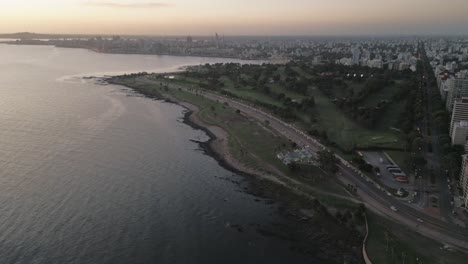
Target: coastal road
373	195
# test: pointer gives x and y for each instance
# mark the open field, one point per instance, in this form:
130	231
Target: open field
346	132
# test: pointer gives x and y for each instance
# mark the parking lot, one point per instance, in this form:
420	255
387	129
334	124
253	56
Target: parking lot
380	160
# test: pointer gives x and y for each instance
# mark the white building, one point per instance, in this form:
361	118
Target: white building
460	132
403	66
376	63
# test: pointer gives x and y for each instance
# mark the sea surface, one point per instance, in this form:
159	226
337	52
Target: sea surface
95	174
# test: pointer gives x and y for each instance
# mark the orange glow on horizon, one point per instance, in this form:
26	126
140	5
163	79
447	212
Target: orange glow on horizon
203	17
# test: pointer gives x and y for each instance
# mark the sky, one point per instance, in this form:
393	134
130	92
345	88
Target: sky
235	17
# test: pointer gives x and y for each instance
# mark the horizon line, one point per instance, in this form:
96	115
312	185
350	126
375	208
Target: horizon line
251	35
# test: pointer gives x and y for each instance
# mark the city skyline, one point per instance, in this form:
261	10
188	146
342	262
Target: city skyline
273	17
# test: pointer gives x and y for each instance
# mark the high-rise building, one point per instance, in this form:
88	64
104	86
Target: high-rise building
464	180
459	113
356	55
456	88
459	133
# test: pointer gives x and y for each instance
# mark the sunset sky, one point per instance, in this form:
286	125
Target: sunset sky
235	17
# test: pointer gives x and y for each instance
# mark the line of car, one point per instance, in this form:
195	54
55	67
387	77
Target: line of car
399	175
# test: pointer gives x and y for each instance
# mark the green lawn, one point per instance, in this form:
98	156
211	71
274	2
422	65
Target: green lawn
340	128
386	93
249	141
345	131
253	95
255	145
356	86
390	243
401	158
276	88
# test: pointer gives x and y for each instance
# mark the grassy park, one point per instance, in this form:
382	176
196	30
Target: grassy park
273	89
251	142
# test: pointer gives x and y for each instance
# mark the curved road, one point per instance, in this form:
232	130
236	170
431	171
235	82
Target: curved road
373	196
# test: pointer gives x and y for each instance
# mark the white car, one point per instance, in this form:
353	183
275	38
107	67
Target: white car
420	220
394	209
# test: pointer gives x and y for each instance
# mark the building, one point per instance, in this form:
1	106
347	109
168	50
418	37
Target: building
456	88
404	66
376	63
356	55
464	180
460	132
459	113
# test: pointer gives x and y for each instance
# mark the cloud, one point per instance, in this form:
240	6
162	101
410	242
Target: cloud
129	5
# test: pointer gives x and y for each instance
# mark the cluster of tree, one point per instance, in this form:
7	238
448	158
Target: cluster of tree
286	113
353	105
322	134
360	214
356	71
362	164
352	218
413	111
328	161
452	155
345	217
374	80
294	82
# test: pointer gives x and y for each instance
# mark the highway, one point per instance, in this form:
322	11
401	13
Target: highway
373	196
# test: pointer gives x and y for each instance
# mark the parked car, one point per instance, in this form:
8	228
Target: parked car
402	179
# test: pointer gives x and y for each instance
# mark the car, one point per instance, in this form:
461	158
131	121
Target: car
394	209
420	220
402	179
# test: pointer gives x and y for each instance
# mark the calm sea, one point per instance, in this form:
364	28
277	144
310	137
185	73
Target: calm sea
92	174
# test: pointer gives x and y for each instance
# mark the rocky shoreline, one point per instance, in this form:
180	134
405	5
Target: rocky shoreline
306	234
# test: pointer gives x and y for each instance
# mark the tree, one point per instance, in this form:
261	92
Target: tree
366	167
417	144
328	161
294	167
419	159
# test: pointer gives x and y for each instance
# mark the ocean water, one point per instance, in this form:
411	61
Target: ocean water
95	174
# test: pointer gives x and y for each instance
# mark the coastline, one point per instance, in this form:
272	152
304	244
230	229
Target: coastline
296	210
217	146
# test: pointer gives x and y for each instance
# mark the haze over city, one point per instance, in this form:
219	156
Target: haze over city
240	17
